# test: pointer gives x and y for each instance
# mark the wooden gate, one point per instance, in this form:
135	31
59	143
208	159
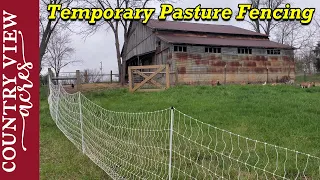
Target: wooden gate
148	77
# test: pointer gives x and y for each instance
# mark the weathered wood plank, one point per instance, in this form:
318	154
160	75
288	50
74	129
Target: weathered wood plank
147	67
172	72
130	78
167	76
150	90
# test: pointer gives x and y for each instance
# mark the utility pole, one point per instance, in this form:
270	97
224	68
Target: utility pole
101	67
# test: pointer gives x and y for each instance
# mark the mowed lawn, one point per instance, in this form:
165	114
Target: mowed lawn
286	116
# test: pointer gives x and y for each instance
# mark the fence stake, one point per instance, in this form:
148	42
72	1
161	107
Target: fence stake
170	144
86	80
130	79
167	76
267	74
57	106
304	75
111	76
81	124
78	80
225	74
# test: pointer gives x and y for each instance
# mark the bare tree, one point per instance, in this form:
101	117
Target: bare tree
117	25
92	75
317	20
59	52
294	34
303	38
317	57
307	58
265	26
47	27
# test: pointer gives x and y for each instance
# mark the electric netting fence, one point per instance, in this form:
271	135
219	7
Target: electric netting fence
169	144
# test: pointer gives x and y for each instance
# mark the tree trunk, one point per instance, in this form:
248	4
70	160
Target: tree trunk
256	4
44	42
124	69
116	37
42	52
124	64
257	26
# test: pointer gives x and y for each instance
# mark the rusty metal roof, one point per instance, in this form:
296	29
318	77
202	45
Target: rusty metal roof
199	27
185	38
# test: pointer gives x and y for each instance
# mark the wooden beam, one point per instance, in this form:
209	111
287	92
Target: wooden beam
172	72
147	67
150	90
130	78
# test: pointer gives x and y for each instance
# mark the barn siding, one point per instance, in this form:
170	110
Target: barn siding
141	41
162	52
196	66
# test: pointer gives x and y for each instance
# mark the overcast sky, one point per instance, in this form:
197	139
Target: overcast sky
100	46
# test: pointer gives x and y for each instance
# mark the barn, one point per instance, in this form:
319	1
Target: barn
203	53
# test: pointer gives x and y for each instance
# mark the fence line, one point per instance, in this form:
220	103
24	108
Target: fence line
168	144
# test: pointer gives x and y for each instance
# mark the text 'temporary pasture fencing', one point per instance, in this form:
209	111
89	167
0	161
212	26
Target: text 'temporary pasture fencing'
169	144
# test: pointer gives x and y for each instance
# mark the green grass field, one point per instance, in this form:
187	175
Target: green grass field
286	116
59	158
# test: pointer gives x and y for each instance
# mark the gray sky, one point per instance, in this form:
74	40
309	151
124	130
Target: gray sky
100	46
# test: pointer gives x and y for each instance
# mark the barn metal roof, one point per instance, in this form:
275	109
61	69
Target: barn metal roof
220	41
200	27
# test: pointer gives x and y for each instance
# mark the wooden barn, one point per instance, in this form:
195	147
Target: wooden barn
204	53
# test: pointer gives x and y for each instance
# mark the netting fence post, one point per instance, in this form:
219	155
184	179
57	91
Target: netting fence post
57	106
170	143
81	124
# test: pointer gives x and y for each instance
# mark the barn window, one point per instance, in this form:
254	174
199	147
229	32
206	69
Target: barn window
184	49
244	51
212	50
180	48
273	51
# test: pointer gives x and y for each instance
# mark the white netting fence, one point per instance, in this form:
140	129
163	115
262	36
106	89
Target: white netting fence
169	144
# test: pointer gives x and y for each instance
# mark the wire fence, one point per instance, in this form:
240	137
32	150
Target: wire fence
88	77
169	144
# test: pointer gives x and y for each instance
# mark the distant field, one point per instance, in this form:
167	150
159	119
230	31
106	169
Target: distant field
310	78
286	116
